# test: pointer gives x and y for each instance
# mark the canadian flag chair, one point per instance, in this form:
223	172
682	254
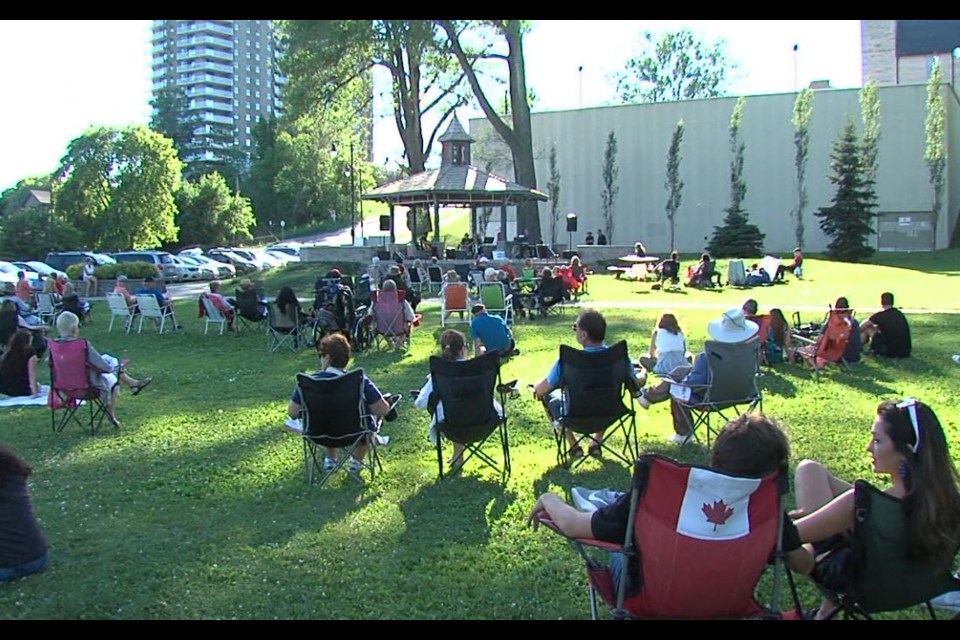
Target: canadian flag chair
698	542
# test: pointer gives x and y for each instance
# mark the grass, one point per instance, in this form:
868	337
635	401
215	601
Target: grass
198	508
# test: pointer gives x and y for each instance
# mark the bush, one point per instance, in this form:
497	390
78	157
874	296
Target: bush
111	271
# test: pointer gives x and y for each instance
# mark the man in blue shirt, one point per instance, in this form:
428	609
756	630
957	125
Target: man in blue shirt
490	332
732	327
591	330
149	289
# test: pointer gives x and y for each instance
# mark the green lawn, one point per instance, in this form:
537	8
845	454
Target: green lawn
198	508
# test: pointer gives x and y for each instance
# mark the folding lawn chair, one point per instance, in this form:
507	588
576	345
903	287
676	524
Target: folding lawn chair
551	296
284	329
391	326
436	278
211	314
250	313
593	387
497	303
731	385
150	308
120	309
335	415
699	540
882	578
828	347
465	389
47	308
454	298
70	386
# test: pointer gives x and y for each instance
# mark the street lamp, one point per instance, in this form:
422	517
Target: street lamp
283	223
353	206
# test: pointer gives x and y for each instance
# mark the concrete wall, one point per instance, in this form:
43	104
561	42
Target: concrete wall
643	135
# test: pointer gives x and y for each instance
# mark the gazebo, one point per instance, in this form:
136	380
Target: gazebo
455	183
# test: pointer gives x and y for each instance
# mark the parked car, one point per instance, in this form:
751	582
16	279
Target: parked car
42	268
221	270
204	270
162	260
254	257
283	257
241	264
292	249
187	271
60	260
8	273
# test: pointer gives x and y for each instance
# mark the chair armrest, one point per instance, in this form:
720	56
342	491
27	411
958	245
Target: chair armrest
544	518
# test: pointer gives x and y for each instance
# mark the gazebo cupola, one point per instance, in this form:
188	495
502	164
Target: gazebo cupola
455	145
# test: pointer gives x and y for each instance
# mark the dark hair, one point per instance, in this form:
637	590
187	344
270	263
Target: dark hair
669	322
452	343
778	326
593	324
19	351
285	298
11	465
752	445
886	298
546	274
337	348
705	257
841	303
932	500
478	308
639	249
675	255
750	306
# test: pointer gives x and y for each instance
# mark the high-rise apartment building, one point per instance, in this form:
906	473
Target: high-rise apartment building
228	70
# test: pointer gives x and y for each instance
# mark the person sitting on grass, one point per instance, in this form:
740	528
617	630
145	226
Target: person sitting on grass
101	373
703	273
887	331
668	347
18	367
453	346
491	332
334	354
752	445
791	267
854	345
591	331
23	547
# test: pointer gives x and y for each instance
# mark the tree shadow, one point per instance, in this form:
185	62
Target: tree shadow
448	512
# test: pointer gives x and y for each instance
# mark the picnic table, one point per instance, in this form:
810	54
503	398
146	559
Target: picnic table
634	267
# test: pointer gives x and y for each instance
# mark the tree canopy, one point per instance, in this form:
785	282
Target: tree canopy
208	213
678	66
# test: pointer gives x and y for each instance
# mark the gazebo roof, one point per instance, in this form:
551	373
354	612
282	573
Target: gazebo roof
455	132
454	185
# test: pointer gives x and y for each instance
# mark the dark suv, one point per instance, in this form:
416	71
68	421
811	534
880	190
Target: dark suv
166	268
60	260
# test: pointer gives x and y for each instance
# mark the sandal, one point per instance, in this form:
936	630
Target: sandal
595	450
575	453
140	387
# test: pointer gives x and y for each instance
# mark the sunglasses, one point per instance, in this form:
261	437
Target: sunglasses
575	327
910	404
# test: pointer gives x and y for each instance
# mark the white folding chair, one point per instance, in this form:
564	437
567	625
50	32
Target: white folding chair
150	308
212	315
46	308
119	308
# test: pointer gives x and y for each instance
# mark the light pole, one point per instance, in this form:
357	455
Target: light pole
353	206
796	86
283	224
580	76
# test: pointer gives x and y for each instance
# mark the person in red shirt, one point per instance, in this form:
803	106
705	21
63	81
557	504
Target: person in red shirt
24	290
505	267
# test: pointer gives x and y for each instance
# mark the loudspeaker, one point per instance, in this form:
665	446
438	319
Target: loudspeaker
571	223
384	223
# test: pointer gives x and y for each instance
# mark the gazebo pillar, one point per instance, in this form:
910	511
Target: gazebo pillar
503	222
473	220
436	219
412	213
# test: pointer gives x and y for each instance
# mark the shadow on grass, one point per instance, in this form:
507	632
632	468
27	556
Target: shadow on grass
448	512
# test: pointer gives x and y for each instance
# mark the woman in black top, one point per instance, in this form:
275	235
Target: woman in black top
18	369
23	547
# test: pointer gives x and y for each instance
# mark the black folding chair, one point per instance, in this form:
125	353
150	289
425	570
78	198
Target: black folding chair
594	385
466	389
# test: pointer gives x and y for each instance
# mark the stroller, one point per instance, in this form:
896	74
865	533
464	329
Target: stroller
335	310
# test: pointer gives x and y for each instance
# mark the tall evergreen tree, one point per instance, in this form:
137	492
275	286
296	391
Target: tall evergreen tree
737	238
802	112
935	152
849	220
673	183
610	187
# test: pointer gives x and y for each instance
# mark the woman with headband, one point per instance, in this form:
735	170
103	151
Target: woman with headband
907	444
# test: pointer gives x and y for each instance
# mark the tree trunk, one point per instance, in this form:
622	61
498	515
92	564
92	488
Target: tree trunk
528	215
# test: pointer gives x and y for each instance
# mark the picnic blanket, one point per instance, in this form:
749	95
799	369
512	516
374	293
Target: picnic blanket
26	401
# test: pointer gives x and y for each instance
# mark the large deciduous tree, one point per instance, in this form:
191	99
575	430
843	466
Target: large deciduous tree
117	187
678	66
517	134
673	184
737	238
849	220
935	152
802	112
208	213
172	118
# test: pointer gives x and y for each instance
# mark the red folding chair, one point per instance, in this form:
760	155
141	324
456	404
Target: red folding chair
70	385
830	344
699	540
392	327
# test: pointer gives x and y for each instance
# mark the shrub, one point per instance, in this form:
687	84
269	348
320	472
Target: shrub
110	271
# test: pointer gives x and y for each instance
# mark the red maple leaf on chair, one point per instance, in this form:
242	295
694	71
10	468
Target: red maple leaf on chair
717	513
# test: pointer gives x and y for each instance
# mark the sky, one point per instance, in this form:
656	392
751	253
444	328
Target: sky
63	76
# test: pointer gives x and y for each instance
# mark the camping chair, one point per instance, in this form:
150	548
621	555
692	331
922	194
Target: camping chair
550	297
829	345
283	329
669	275
250	314
416	284
335	415
731	384
211	314
497	303
709	278
466	388
436	278
119	308
70	386
476	281
454	298
391	327
698	539
882	577
46	308
150	308
593	384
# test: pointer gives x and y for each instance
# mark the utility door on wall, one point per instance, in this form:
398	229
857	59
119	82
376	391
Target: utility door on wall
905	231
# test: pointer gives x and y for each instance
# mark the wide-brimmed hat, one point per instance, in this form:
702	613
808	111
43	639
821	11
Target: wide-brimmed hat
246	283
732	326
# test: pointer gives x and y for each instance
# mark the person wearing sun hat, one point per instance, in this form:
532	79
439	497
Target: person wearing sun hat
732	327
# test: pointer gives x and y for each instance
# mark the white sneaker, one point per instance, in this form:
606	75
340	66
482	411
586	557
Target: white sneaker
355	466
329	464
956	359
642	401
555	425
678	439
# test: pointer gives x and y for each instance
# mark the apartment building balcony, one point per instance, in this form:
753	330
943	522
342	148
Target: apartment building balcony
206	26
203	91
205	53
204	78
